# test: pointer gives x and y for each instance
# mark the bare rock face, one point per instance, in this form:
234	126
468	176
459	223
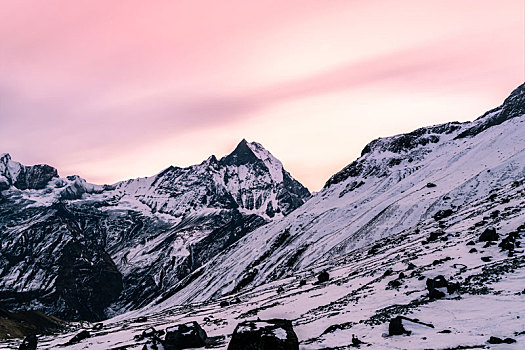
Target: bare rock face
274	334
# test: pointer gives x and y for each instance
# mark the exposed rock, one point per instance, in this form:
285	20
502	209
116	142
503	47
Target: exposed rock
395	327
489	235
324	276
496	340
29	343
486	258
274	334
185	336
79	337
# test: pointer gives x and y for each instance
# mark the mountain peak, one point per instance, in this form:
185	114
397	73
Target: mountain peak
242	154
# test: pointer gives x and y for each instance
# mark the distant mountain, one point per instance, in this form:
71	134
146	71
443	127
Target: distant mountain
83	251
396	184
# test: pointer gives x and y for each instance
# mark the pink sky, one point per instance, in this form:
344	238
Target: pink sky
112	90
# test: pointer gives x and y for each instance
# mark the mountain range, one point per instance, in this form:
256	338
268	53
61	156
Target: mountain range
236	238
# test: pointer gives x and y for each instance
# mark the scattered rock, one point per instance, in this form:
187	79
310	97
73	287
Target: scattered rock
394	284
274	334
445	331
437	282
435	235
435	294
141	319
302	283
496	340
29	343
388	272
395	327
430	185
185	336
441	214
356	341
473	250
470	243
323	277
486	258
489	235
224	303
411	266
401	275
452	287
79	337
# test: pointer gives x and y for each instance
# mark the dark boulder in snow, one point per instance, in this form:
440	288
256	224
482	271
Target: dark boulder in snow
437	282
323	277
489	235
395	327
29	343
79	337
274	334
496	340
185	336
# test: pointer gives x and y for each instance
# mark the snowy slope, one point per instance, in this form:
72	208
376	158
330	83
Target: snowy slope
361	297
396	183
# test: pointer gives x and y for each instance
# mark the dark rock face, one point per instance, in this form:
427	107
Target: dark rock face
185	336
489	235
29	343
274	334
35	177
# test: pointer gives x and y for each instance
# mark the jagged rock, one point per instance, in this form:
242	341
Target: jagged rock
79	337
29	343
471	243
185	336
395	327
274	334
324	276
489	235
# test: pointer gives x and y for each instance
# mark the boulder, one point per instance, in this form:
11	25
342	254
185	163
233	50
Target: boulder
489	235
79	337
496	340
323	277
437	282
395	327
29	343
185	336
274	334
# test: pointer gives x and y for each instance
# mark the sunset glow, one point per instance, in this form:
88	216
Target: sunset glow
112	90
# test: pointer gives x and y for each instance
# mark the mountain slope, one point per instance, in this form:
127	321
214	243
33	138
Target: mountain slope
83	251
397	183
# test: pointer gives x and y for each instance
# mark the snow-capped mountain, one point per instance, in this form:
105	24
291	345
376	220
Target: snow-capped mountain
84	251
417	244
397	183
429	226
